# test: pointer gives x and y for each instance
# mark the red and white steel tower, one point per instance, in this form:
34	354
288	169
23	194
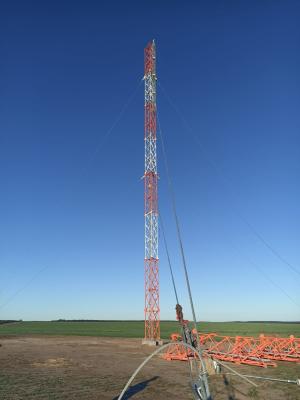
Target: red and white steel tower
152	311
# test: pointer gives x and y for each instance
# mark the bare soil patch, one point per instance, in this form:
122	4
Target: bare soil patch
92	368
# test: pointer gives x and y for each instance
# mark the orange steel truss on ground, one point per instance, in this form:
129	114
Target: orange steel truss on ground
261	351
280	349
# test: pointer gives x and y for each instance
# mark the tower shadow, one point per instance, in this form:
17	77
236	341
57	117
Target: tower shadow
229	388
139	387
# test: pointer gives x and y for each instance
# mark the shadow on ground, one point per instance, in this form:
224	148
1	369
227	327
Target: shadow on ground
139	387
229	388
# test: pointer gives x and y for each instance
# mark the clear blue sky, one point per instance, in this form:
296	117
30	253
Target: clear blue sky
72	194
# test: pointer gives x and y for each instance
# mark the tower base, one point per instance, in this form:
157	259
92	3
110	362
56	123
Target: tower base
152	342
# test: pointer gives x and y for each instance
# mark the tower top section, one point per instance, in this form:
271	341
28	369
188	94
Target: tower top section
149	54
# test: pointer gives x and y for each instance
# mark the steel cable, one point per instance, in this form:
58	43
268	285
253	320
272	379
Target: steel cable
168	257
165	346
79	176
226	182
172	195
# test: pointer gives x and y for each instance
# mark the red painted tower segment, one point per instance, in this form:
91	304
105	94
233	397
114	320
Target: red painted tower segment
152	311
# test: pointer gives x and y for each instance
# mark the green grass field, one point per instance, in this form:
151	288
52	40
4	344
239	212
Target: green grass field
135	329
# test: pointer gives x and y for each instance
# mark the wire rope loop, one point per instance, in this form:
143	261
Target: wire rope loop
165	346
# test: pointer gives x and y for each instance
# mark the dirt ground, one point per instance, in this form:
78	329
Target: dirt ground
98	368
